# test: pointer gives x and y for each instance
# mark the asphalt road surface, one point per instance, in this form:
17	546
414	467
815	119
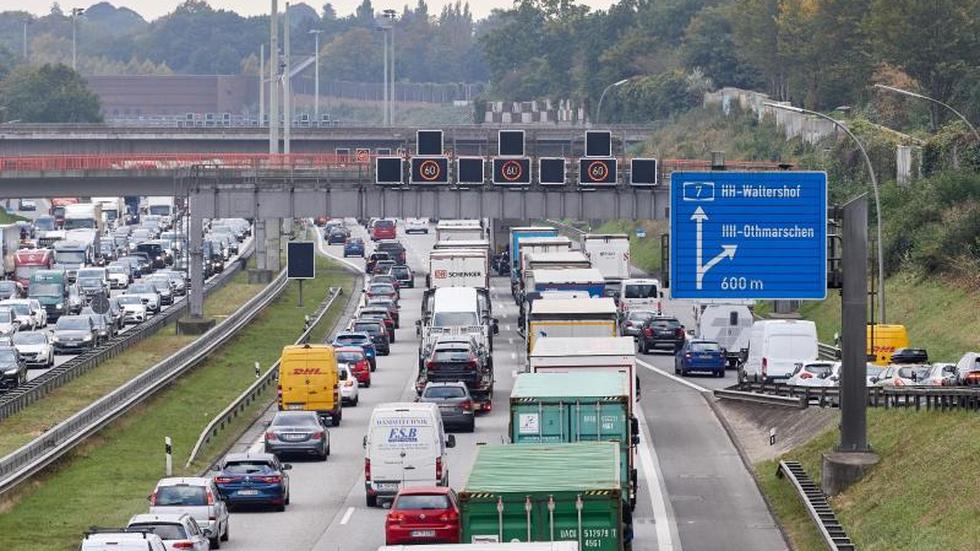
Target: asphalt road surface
694	492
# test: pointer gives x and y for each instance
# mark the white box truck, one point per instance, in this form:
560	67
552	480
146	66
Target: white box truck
610	254
459	268
579	317
566	354
456	230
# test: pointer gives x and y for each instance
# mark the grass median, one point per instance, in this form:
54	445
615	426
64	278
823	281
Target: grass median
107	480
67	400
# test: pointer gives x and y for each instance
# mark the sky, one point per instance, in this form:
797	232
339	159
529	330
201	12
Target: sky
151	9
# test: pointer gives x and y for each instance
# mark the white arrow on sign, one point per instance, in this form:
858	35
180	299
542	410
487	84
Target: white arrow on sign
727	251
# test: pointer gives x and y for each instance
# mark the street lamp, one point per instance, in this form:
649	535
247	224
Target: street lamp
27	22
933	100
598	109
75	12
316	74
874	188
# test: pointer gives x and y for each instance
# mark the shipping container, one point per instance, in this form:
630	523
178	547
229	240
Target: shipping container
550	546
546	492
584	406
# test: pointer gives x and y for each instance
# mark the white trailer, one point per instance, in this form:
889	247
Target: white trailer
456	230
730	325
610	254
481	244
113	209
564	355
459	268
10	234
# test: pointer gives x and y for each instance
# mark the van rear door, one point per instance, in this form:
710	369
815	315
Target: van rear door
404	454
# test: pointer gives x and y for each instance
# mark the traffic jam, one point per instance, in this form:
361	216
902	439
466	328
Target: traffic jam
78	273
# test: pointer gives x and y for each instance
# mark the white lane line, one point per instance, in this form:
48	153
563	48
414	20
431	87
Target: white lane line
671	376
507	327
513	355
510	340
664	521
347	515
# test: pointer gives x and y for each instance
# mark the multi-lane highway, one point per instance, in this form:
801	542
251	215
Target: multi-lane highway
695	493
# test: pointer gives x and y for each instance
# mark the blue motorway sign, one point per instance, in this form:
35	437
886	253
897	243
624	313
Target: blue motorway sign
748	235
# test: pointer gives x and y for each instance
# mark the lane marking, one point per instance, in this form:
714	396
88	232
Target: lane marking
507	327
347	515
513	355
671	376
664	521
510	340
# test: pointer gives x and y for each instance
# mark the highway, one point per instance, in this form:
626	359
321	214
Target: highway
695	493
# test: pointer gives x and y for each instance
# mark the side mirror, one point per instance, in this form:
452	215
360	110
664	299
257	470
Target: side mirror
149	497
364	442
451	441
496	326
287	467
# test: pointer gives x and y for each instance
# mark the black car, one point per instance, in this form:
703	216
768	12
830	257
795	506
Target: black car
336	237
661	332
374	259
394	249
910	356
155	254
404	275
378	332
13	368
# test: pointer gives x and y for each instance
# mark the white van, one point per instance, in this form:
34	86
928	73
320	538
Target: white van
729	325
405	446
641	294
776	346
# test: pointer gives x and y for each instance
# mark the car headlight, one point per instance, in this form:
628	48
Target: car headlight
11	371
87	338
54	338
59	306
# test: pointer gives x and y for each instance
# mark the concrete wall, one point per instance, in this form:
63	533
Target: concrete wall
145	95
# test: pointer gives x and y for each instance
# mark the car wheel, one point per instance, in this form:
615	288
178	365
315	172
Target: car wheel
371	501
215	543
279	508
366	385
357	400
683	372
328	450
472	426
335	421
226	535
286	502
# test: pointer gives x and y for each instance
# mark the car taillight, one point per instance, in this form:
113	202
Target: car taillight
363	365
153	498
648	331
223	479
272	479
438	468
270	436
451	516
430	365
367	470
182	545
396	517
317	435
805	375
472	364
679	332
466	405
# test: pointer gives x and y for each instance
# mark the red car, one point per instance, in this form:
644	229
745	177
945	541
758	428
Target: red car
423	514
383	229
358	362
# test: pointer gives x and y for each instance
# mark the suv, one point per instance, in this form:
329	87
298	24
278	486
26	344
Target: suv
376	329
199	498
383	229
661	332
122	539
404	275
394	249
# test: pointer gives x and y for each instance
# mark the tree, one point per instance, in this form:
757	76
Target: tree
49	93
708	43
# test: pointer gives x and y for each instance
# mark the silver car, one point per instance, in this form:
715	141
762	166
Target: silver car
455	404
177	530
634	322
297	432
199	498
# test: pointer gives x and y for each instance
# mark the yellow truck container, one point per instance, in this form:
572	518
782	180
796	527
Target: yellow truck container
310	381
885	339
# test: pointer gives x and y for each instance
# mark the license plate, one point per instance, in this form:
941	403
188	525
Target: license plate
248	492
423	533
294	437
386	486
294	406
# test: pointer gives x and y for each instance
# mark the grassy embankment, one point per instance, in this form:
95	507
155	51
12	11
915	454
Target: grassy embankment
105	481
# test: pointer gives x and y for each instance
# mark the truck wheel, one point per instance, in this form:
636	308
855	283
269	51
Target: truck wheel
335	420
371	501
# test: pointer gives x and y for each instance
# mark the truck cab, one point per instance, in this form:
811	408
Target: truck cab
50	288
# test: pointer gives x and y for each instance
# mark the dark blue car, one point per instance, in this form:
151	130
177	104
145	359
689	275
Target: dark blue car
354	247
253	479
353	338
699	355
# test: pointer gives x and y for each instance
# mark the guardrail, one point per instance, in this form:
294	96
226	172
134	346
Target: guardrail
917	397
823	516
249	395
828	351
798	402
29	459
35	389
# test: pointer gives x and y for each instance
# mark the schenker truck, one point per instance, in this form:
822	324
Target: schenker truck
459	268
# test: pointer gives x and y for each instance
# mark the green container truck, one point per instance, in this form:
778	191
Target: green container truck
583	406
546	492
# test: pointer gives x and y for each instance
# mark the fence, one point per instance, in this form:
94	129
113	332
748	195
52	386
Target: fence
915	397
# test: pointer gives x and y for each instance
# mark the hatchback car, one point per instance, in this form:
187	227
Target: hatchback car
902	375
297	432
177	530
350	389
455	404
355	359
635	321
939	375
34	348
376	329
354	247
388	304
382	290
423	514
359	339
382	229
336	236
74	334
196	496
416	225
13	369
133	308
404	275
661	332
811	374
374	259
700	355
253	479
121	540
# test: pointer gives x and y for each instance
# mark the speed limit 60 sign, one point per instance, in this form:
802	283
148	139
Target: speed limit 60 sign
430	170
597	172
512	171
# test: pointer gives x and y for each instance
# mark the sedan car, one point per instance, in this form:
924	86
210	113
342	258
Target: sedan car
26	318
423	514
811	374
13	369
336	236
361	340
74	334
455	404
356	360
349	387
404	275
164	288
387	303
354	247
297	432
105	327
416	225
177	530
253	479
700	355
119	275
9	324
134	310
34	348
148	294
903	375
662	332
635	321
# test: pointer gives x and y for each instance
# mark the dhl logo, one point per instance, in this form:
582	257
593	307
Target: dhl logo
883	348
306	371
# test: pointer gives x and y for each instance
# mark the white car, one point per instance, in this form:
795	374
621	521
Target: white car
811	374
349	387
8	320
118	276
101	540
34	348
147	293
903	375
134	311
39	313
177	530
22	313
416	225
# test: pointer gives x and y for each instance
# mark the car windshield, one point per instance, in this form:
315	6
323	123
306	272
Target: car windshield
384	224
820	370
666	323
8	355
248	467
166	531
874	370
90	282
73	324
45	290
44	224
295	420
705	347
644	290
117	269
6	314
414	502
350	356
445	392
915	373
180	495
399	271
29	337
349	339
21	308
129	299
381	288
144	288
451	355
454	319
639	315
